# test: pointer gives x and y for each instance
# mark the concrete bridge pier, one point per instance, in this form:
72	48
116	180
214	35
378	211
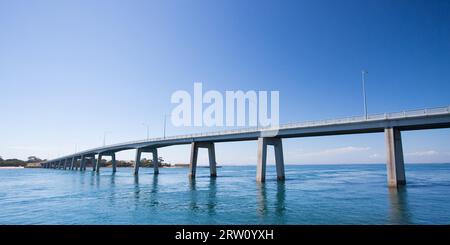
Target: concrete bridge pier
98	162
94	163
82	162
113	161
155	161
59	164
76	164
71	163
89	159
194	155
137	161
395	163
86	160
263	142
65	164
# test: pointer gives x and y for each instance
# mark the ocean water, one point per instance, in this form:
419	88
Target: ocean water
325	194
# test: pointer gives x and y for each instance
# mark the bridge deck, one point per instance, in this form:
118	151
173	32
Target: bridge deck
405	120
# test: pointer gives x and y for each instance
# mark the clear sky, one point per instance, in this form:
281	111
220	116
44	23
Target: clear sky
72	70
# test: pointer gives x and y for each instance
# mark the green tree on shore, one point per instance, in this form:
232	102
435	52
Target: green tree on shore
32	159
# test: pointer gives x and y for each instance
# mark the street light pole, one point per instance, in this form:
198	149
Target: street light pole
165	116
363	74
104	137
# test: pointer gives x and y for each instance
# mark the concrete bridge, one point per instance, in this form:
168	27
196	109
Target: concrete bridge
392	124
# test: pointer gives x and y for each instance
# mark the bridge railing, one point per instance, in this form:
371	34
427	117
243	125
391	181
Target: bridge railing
374	117
355	119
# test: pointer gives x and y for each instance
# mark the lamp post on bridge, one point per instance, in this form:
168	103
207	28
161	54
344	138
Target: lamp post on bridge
165	117
104	137
363	74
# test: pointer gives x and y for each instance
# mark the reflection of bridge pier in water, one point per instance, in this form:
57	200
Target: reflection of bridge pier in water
279	205
193	192
112	182
95	179
137	189
154	191
212	201
398	204
262	200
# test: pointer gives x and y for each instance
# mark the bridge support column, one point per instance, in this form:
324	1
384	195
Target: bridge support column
85	163
155	161
94	163
65	164
98	162
263	142
82	162
71	164
59	164
137	161
194	155
113	161
395	163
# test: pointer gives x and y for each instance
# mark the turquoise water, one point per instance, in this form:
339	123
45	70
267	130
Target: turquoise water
326	194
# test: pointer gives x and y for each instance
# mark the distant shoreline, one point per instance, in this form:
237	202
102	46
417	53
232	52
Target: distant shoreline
11	167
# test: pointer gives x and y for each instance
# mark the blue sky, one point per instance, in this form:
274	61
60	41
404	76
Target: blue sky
71	70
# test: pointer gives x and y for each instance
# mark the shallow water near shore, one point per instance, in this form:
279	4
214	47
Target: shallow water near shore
311	194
